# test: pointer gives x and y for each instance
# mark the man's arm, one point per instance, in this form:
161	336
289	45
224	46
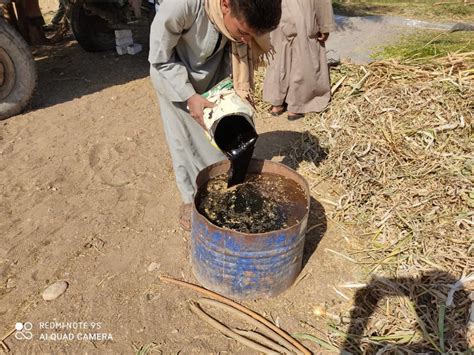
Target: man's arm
325	16
169	75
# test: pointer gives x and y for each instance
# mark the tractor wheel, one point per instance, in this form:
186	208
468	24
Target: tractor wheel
17	71
92	32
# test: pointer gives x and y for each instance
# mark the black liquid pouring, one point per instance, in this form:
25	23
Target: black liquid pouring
236	137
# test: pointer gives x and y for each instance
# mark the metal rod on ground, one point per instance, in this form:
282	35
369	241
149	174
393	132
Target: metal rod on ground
5	347
261	339
226	331
251	313
2	341
275	337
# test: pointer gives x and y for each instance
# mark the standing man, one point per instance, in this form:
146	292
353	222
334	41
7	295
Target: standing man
297	78
194	44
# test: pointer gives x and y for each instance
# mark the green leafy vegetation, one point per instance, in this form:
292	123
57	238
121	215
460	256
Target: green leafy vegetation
428	44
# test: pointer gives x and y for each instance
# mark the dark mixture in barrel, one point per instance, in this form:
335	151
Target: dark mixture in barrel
263	203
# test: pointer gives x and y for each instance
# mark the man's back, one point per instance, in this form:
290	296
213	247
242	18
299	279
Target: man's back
187	53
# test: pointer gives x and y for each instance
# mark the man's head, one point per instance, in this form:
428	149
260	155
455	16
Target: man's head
247	18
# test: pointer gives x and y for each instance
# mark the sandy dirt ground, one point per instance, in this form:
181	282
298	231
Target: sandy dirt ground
87	195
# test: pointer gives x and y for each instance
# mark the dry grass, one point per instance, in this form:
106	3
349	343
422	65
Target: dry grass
400	148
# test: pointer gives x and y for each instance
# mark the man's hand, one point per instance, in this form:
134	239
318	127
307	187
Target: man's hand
322	37
196	105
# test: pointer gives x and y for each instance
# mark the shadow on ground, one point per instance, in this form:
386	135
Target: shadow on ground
359	10
67	72
426	295
292	148
317	227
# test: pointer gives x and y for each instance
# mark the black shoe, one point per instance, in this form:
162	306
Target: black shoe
295	116
279	112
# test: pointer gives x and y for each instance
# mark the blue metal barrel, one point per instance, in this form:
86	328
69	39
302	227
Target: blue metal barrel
243	265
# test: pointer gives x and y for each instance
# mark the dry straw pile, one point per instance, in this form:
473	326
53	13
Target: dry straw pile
400	148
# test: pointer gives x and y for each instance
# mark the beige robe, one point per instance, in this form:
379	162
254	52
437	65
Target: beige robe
298	74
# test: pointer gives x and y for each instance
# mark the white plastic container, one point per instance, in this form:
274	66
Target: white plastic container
123	34
121	50
134	48
123	42
229	105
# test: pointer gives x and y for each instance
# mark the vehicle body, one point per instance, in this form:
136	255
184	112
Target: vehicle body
92	23
17	66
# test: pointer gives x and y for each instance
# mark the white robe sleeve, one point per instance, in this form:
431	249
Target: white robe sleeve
168	74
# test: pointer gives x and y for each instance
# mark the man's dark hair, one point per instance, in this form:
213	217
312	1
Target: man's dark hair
261	15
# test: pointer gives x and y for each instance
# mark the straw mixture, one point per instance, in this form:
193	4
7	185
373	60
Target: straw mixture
263	203
399	145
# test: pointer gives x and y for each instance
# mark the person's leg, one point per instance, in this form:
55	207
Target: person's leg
189	147
275	84
58	16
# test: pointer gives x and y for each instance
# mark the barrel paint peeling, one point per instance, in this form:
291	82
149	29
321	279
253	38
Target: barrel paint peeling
242	265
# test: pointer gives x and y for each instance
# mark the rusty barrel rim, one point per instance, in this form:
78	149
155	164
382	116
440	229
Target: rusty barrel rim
256	166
